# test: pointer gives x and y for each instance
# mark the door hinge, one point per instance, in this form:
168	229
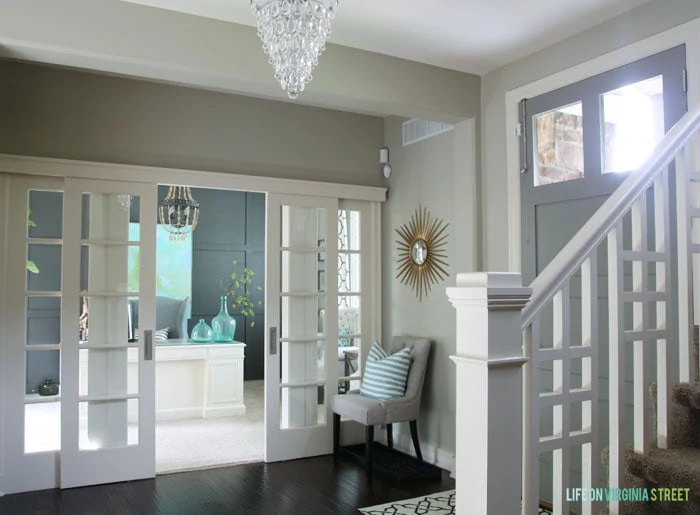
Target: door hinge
522	134
685	81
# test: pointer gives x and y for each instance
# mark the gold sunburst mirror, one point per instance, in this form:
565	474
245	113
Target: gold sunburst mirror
421	246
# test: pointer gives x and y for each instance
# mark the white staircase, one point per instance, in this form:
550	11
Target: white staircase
640	254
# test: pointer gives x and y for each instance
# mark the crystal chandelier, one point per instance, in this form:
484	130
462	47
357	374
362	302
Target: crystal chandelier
178	212
294	35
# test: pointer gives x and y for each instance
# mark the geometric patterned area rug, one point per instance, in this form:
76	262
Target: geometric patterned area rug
441	503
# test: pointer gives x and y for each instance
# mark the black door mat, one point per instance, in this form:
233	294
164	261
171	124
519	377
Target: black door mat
392	464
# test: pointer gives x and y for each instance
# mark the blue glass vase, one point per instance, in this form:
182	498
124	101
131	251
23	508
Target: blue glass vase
223	324
201	332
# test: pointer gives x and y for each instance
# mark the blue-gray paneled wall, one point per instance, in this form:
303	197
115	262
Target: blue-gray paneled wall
231	228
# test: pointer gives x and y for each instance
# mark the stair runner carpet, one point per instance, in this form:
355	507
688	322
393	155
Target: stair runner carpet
675	467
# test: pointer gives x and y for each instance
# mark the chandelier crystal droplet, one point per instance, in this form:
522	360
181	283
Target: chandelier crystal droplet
294	34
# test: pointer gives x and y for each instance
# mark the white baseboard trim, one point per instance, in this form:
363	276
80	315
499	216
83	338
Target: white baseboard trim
194	412
224	411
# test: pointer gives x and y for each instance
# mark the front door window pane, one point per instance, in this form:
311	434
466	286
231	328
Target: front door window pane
559	145
633	124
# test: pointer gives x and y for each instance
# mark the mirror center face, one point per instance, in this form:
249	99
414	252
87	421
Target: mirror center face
419	252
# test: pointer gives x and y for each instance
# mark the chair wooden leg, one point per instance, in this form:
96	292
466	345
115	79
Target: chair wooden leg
389	437
414	437
369	440
336	434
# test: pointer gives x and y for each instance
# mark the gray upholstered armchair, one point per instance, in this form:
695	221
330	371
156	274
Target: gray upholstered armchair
170	313
371	412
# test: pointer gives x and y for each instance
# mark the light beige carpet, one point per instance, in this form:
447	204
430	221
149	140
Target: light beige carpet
205	443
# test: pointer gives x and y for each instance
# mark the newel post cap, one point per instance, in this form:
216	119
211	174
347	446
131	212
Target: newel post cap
497	290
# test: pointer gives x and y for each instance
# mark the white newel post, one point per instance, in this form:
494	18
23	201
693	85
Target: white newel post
489	363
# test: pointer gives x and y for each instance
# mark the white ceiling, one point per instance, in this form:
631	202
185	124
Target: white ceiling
473	36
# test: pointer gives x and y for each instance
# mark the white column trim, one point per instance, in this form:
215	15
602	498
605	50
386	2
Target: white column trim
489	363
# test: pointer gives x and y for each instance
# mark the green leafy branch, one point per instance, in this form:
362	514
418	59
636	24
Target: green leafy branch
31	266
239	290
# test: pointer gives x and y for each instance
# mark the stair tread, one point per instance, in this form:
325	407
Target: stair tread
684	414
678	467
655	508
687	394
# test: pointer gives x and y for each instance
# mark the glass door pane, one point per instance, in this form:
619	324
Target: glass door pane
633	124
559	145
302	350
349	300
109	281
42	410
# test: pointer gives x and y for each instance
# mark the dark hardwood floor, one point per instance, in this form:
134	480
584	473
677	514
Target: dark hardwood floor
309	486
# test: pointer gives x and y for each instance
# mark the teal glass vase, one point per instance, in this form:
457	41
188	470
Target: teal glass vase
223	325
201	332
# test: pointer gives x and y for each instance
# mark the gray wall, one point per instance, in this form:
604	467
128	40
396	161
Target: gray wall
440	174
162	45
62	113
78	115
626	29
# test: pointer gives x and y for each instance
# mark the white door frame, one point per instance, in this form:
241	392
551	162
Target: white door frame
687	33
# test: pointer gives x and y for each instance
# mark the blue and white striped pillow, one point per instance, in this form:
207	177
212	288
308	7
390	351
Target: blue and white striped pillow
159	335
385	375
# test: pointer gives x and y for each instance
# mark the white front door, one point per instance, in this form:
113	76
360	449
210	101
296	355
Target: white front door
107	375
301	373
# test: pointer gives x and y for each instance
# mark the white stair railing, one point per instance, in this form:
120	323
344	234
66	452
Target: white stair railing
647	227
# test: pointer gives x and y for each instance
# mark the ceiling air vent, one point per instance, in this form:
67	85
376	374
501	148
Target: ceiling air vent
416	129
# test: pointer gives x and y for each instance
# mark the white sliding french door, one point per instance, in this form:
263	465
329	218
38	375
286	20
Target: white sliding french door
30	339
107	375
301	373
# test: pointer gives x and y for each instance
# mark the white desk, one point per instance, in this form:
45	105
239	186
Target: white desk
193	380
